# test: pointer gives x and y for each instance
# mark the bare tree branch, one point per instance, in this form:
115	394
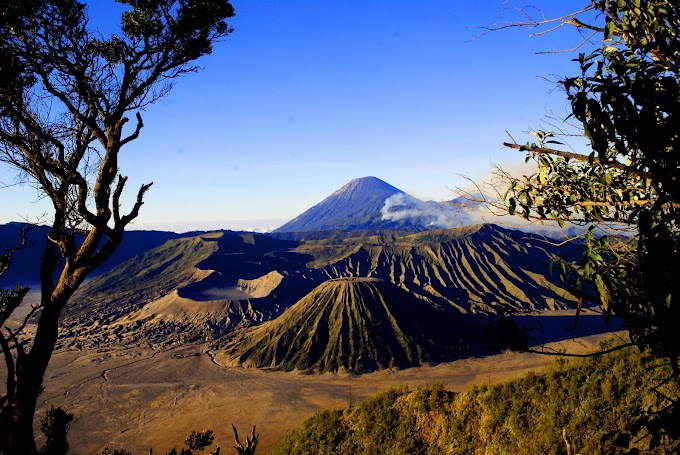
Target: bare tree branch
251	442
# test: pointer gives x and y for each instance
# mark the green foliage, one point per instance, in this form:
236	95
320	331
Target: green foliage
627	101
595	400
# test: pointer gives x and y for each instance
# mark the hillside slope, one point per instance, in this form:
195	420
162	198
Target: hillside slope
596	400
204	287
25	265
354	325
478	269
190	289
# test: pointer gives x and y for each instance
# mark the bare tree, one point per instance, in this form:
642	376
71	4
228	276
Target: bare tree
66	93
251	442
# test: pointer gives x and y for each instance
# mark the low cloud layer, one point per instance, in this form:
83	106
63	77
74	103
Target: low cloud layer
456	213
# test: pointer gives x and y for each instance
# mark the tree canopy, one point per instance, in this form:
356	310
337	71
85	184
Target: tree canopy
626	101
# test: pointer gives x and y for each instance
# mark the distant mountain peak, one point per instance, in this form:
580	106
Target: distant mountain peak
367	184
355	206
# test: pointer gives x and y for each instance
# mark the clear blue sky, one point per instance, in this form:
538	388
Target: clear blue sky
306	95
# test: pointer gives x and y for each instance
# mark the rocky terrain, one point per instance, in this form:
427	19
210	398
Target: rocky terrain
367	288
206	329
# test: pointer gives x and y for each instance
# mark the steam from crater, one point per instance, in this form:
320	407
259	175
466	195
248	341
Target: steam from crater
430	214
456	213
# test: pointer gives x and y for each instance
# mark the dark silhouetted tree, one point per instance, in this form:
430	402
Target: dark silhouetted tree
55	427
251	442
66	94
197	441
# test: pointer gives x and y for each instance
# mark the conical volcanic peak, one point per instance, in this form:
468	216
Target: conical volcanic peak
353	325
356	206
366	187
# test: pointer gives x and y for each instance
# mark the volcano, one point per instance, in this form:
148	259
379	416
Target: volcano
355	325
356	206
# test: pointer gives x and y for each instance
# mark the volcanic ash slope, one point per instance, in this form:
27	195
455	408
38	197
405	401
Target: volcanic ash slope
352	325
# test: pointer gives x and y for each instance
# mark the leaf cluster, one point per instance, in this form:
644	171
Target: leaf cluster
627	101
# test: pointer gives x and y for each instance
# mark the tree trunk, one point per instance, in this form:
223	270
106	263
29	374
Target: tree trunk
31	369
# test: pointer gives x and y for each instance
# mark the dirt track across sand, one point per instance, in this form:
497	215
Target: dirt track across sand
135	398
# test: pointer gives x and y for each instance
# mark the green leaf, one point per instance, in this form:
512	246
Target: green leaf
601	291
609	30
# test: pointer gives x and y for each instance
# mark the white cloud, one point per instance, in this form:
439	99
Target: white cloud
457	213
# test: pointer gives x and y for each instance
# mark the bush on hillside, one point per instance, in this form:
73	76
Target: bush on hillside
595	400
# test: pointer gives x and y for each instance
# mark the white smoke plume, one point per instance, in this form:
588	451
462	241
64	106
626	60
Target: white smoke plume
457	213
430	214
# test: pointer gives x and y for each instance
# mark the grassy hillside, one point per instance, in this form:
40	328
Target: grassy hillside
596	400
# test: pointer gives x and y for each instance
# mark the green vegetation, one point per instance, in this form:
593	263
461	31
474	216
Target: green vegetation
625	102
595	400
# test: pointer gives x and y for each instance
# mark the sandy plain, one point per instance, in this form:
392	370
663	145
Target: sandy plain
135	398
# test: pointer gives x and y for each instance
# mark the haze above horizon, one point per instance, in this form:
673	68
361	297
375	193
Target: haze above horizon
305	96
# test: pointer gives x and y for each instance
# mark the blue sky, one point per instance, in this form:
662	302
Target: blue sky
306	95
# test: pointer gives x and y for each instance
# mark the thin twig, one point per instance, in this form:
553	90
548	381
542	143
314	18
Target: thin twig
590	354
